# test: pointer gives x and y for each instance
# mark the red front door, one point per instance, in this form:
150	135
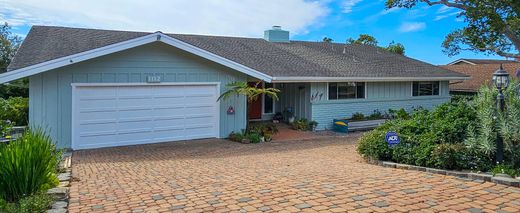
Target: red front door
255	107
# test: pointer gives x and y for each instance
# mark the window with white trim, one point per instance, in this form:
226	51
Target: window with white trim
346	90
425	88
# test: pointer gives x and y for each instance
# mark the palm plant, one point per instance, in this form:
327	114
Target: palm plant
251	92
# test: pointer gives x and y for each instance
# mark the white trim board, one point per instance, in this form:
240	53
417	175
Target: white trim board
362	79
117	47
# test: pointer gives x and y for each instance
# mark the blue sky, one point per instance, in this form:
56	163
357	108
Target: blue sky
421	29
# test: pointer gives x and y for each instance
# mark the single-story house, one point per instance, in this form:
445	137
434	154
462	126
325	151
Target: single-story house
99	88
481	72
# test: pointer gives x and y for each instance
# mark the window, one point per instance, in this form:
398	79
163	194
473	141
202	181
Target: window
268	101
425	88
346	90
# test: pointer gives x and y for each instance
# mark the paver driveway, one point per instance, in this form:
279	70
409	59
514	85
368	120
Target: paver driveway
217	175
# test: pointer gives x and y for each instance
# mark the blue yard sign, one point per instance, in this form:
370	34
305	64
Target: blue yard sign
392	138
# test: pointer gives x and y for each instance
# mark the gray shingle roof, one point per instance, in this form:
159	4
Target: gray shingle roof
294	59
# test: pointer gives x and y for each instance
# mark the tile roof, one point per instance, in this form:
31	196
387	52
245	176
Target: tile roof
294	59
481	61
480	74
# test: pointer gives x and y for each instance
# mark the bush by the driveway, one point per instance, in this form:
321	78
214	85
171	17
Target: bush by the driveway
460	134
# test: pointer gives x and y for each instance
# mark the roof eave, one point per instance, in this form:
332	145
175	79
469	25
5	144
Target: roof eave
363	79
117	47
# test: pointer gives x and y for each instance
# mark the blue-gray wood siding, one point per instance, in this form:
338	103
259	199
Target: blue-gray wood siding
379	96
51	92
297	97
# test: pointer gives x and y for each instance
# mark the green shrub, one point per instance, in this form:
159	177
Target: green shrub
358	116
449	156
399	114
372	145
15	110
301	124
376	115
37	203
237	137
505	169
254	137
28	166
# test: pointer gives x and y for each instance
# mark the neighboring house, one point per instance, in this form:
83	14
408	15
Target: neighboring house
481	72
98	88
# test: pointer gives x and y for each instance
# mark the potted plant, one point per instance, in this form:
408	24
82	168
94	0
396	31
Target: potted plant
313	125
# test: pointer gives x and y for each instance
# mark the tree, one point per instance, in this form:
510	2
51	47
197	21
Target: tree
251	92
366	39
327	40
395	48
363	39
9	43
493	26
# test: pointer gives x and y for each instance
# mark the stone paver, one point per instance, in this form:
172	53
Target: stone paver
322	175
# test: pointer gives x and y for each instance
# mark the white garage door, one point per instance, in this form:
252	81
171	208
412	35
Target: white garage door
117	115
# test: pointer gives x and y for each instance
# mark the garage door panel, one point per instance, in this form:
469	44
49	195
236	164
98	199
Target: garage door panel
168	111
90	127
126	115
95	115
98	103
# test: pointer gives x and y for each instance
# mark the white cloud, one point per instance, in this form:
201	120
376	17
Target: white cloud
349	4
232	17
412	26
444	9
391	10
443	16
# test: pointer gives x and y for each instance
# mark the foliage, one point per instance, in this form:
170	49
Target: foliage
395	48
255	133
428	138
9	43
15	110
449	156
254	137
28	165
327	40
358	116
505	169
376	115
37	203
373	146
301	124
366	39
491	122
398	114
251	92
237	137
265	129
16	88
493	26
313	125
460	134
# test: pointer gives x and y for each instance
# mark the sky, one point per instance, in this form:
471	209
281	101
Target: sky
421	29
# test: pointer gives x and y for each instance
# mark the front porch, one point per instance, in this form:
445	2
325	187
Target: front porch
294	102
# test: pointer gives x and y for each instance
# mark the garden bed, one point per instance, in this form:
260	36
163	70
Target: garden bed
460	135
468	175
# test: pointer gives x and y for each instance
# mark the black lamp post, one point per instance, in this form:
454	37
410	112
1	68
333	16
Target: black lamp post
501	81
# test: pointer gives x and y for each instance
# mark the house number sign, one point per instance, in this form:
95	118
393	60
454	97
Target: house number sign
153	79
